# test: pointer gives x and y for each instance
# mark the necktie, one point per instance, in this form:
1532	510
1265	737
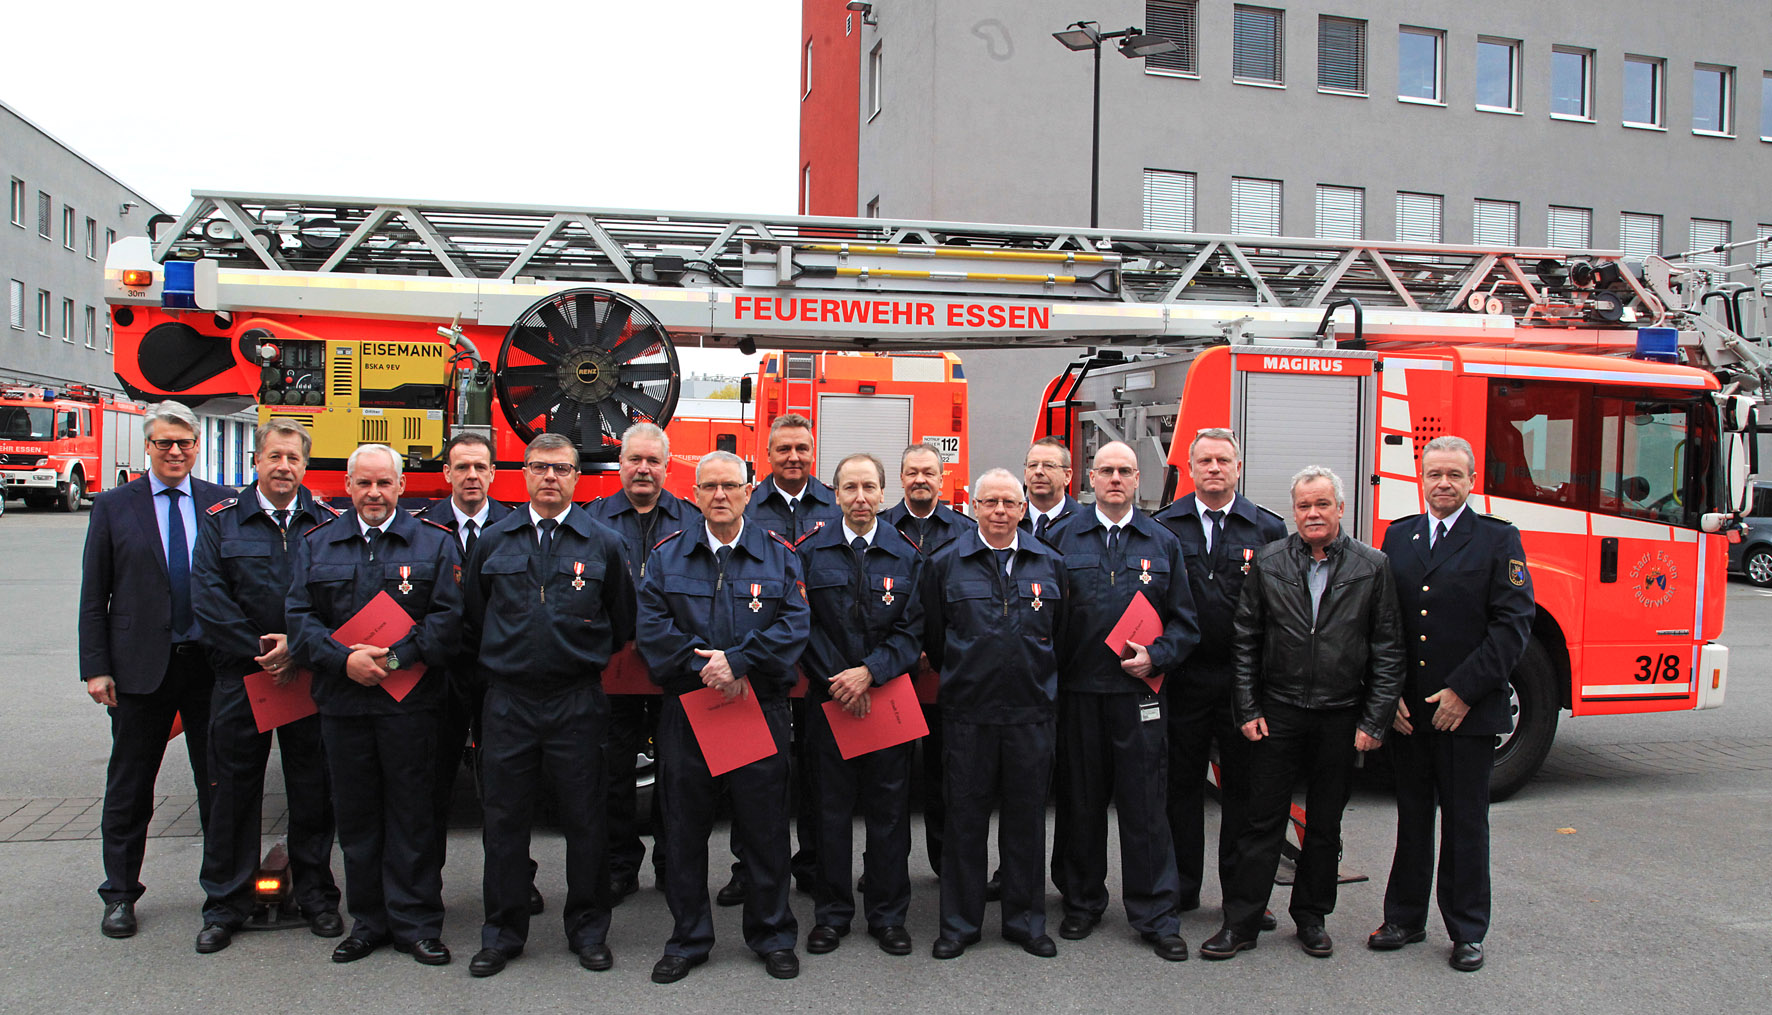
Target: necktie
721	557
1439	536
1002	560
1113	547
547	527
178	564
1040	527
1215	552
371	540
859	548
473	536
282	519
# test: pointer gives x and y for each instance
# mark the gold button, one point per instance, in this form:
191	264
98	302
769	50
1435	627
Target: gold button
1422	663
1424	637
1424	588
1424	613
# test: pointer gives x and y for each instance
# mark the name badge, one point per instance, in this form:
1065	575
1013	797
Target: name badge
1150	711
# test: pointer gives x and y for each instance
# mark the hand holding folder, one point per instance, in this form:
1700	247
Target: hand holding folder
732	732
275	704
893	717
1141	626
382	623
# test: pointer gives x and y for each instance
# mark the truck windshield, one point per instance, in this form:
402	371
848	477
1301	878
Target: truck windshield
21	423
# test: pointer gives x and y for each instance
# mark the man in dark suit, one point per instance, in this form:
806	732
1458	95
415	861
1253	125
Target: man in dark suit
1220	530
1047	473
1466	600
139	651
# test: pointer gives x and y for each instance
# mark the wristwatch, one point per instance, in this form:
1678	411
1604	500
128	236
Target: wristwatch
393	662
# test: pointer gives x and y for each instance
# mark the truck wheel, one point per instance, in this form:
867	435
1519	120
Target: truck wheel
1757	565
69	499
1535	707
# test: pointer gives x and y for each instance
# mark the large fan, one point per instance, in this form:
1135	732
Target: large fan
586	364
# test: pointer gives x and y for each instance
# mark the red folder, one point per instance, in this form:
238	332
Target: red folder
627	673
178	726
382	623
1138	624
894	717
732	734
275	705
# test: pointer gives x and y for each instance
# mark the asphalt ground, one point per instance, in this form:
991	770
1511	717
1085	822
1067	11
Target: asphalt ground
1628	878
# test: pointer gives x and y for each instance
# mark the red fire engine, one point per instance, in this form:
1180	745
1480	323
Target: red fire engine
58	447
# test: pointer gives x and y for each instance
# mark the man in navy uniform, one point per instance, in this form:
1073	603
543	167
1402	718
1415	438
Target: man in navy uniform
723	606
240	583
929	524
994	608
546	600
867	629
139	651
382	753
1111	743
1466	600
1220	530
642	512
1047	473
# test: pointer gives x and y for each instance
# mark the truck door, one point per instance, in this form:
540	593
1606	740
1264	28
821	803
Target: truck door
1312	408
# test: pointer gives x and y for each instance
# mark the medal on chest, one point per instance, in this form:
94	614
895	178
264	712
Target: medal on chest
405	586
1248	555
888	597
1037	603
756	604
578	575
1145	575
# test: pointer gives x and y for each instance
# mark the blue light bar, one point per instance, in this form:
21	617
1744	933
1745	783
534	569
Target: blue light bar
1658	345
179	291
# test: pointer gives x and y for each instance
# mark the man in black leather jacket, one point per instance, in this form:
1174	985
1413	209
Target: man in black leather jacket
1319	668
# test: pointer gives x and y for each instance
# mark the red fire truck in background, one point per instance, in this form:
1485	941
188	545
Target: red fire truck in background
58	447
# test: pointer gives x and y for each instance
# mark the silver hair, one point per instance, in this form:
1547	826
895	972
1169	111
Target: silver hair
1447	442
1217	433
282	426
551	442
646	431
920	448
717	456
393	456
1001	474
177	413
1311	472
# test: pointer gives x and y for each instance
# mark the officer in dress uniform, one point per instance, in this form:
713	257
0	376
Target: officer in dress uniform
239	587
1466	601
1047	473
994	605
867	629
1220	530
643	513
723	606
546	600
1111	743
381	752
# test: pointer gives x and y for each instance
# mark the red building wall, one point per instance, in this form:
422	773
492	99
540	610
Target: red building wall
830	109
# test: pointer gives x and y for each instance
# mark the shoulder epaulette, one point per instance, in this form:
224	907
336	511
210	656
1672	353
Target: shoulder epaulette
1272	514
668	538
438	525
222	505
323	522
791	546
1497	518
335	511
1400	519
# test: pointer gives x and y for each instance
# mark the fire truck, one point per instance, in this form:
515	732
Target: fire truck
59	447
1612	400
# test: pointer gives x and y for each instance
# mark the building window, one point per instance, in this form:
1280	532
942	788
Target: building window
1708	233
91	329
108	348
806	72
1179	22
91	240
1419	64
848	24
43	214
67	320
1419	218
1639	235
874	60
1498	75
1495	223
1257	51
110	238
1341	55
43	312
15	302
1711	99
1763	255
806	189
1168	200
1341	213
18	202
1766	106
1255	207
1570	228
1643	91
68	226
1572	83
874	207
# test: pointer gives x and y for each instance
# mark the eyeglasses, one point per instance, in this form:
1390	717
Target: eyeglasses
1110	471
725	488
993	503
182	443
1045	467
561	469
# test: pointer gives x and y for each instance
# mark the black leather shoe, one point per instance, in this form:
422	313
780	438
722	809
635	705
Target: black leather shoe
621	886
951	948
1315	941
1268	921
326	923
536	902
1467	956
1077	926
119	920
213	938
893	940
426	951
353	948
783	964
1226	944
993	889
825	939
672	968
1169	947
1391	936
596	957
487	962
1041	946
734	893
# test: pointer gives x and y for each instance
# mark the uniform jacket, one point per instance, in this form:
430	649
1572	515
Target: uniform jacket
671	514
1070	507
876	620
769	508
1352	657
1247	528
995	638
1467	613
755	612
333	579
1101	588
929	535
440	513
240	576
125	593
545	625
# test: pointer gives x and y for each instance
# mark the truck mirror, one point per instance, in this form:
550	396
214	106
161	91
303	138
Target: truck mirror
1738	465
744	391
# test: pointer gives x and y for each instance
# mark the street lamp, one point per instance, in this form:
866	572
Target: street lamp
1134	43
